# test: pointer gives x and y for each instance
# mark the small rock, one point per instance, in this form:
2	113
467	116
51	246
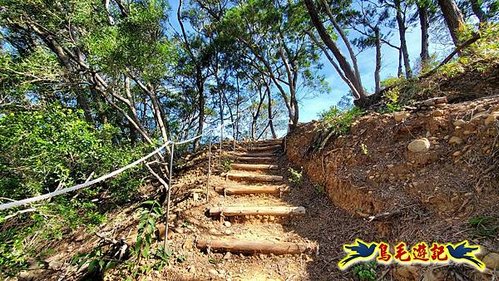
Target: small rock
401	115
467	133
455	140
419	145
491	261
227	256
459	123
213	231
227	223
228	232
456	154
491	118
212	271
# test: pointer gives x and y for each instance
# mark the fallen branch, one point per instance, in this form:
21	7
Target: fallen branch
19	213
457	50
257	247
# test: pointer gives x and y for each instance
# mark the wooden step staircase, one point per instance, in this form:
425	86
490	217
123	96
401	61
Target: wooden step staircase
254	172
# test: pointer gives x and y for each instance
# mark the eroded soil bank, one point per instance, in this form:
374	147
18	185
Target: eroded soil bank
429	194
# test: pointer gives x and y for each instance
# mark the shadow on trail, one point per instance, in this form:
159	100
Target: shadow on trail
325	224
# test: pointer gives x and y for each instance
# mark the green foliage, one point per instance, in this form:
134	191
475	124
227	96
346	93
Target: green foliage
478	55
339	121
319	189
52	148
146	230
392	81
295	177
484	226
226	164
392	95
365	271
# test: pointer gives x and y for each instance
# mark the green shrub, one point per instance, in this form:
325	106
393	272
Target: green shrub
365	271
295	177
392	81
43	150
484	226
339	121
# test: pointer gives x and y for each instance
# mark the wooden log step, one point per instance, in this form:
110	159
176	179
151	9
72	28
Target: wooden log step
255	159
256	210
253	167
255	189
249	154
253	177
237	246
265	148
267	142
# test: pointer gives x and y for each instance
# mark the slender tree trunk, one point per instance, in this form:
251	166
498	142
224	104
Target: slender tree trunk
201	104
424	23
477	10
399	69
236	134
377	80
403	42
453	18
326	38
271	121
344	37
82	103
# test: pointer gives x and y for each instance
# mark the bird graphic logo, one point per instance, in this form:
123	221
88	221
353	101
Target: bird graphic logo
357	252
463	252
420	253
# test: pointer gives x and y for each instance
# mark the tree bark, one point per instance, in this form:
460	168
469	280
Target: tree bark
399	69
403	42
377	70
252	211
256	247
477	10
343	36
453	18
424	23
271	121
326	38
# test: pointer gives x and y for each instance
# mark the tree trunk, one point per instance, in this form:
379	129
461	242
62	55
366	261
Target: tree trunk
326	38
377	80
201	104
82	103
477	10
271	121
453	18
424	23
399	69
403	42
345	40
